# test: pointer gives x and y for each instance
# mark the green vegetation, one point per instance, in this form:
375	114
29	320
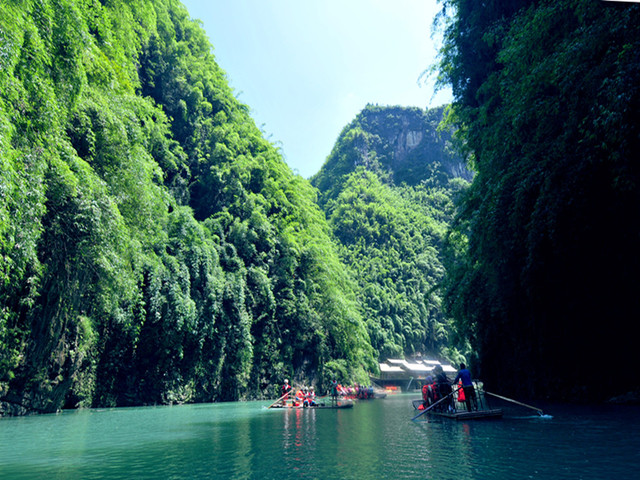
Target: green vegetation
387	189
154	247
544	264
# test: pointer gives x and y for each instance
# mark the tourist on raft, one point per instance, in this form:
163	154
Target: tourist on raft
309	398
444	389
428	392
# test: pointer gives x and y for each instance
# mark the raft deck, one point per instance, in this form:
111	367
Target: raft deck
460	414
473	415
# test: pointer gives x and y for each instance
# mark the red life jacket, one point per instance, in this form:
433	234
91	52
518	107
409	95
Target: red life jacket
296	399
461	396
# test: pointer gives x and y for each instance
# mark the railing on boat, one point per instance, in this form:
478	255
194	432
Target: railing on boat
461	406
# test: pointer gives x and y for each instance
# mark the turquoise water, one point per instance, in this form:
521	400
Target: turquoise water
375	439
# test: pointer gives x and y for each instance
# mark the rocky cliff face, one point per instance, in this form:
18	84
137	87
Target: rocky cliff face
402	144
410	143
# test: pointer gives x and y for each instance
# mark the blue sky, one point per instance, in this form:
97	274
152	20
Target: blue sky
306	68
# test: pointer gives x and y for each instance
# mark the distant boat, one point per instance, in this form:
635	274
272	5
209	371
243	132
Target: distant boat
369	394
379	394
319	406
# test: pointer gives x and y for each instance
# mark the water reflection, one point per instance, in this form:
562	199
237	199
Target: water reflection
298	438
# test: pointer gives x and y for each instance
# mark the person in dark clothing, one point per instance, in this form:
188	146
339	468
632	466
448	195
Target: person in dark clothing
334	390
467	386
444	388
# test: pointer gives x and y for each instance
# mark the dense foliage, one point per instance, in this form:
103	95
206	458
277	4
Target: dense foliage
154	247
387	189
547	95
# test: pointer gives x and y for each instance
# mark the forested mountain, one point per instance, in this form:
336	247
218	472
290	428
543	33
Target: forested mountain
547	99
154	247
388	190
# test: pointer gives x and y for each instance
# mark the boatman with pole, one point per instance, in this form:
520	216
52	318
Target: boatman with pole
467	387
286	390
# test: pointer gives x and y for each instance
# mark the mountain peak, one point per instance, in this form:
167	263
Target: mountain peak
401	144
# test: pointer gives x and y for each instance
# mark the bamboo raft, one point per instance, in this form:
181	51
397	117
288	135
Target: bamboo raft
456	413
459	414
473	415
316	407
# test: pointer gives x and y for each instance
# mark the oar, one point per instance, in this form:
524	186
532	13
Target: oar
441	400
516	402
283	396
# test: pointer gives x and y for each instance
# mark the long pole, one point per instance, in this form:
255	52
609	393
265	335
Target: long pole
515	401
436	403
409	384
283	396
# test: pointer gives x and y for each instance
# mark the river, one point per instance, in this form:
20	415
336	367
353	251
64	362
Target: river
375	439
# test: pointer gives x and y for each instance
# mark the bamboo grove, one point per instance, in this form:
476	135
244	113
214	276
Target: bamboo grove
154	247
